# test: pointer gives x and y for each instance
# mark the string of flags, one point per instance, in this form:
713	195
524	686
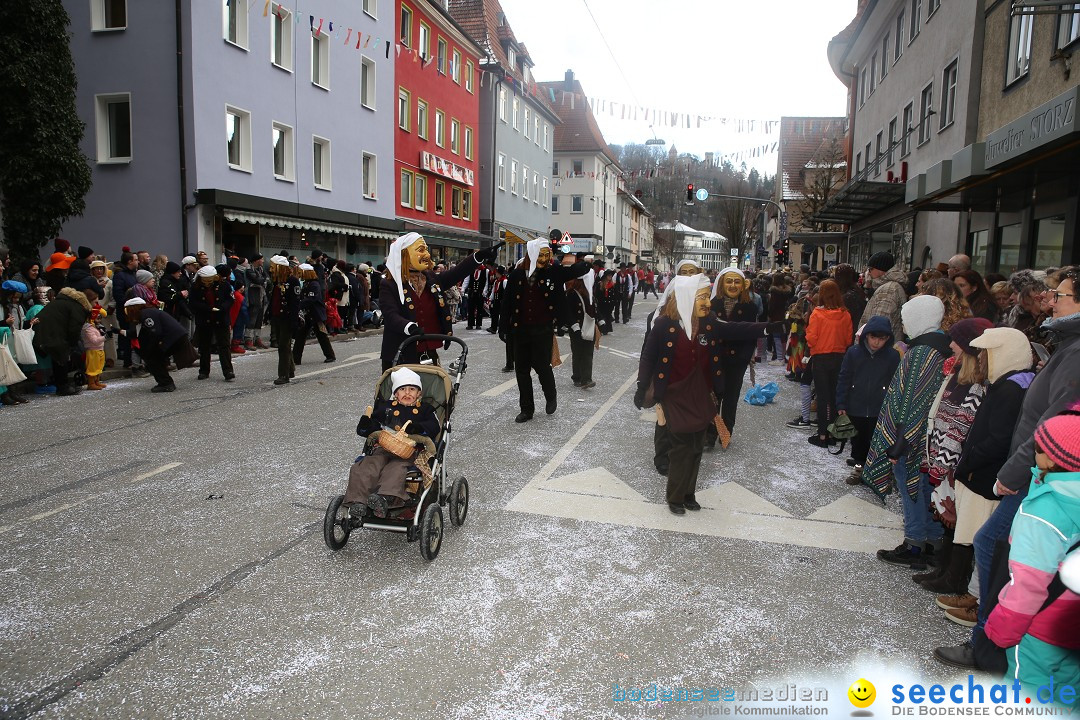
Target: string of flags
677	119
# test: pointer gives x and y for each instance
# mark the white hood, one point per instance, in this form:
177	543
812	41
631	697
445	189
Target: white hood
533	249
720	277
685	288
393	260
678	267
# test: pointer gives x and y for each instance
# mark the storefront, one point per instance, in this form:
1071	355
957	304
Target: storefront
878	220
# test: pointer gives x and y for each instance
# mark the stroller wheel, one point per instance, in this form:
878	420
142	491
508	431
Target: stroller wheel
431	530
336	524
459	501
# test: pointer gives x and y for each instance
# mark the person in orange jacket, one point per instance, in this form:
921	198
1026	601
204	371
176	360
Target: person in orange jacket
828	333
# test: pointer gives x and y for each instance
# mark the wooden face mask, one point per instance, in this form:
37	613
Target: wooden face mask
732	285
417	257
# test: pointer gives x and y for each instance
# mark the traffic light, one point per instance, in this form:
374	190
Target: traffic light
781	256
690	192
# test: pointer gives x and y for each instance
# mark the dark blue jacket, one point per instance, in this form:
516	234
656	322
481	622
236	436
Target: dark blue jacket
865	376
215	313
122	281
159	328
735	354
313	300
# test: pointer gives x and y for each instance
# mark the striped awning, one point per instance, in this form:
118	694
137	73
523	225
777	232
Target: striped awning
306	224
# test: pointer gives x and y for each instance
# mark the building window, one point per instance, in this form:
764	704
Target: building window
367	82
513	177
403	102
536	188
455	202
554	204
1068	25
421	119
113	128
926	108
862	88
525	183
405	37
579	168
455	67
906	129
869	158
406	188
440	198
514	113
545	186
511	58
880	147
281	37
440	57
554	168
858	163
468	143
469	75
440	128
371	176
502	171
916	18
901	27
948	96
371	7
546	127
884	70
236	24
455	131
873	73
502	103
238	138
1019	59
893	127
320	162
576	202
284	163
320	60
420	193
466	205
525	127
112	15
424	45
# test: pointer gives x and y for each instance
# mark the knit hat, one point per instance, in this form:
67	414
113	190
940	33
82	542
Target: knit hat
59	260
188	260
256	257
882	261
206	271
403	377
1059	437
61	245
89	283
279	260
126	248
922	314
306	266
966	330
143	276
135	302
171	267
85	252
1007	349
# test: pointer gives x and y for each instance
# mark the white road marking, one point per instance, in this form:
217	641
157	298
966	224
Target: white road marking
364	357
156	471
632	356
512	382
729	510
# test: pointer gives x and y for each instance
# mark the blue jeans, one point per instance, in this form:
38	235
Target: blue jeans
919	523
996	527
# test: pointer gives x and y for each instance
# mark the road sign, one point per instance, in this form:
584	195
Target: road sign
702	194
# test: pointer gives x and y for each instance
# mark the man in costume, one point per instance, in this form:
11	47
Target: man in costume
732	303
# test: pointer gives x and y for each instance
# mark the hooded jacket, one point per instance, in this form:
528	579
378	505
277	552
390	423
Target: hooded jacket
828	331
865	375
779	298
59	325
1045	527
1055	387
889	296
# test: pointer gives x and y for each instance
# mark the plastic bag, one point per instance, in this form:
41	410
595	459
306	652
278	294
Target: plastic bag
23	347
762	394
10	374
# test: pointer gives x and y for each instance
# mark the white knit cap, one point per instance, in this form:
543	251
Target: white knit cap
922	314
279	260
403	377
206	271
135	302
306	266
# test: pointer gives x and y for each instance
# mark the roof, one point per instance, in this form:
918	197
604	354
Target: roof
578	131
679	228
800	140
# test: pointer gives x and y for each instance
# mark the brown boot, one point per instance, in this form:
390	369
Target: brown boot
91	383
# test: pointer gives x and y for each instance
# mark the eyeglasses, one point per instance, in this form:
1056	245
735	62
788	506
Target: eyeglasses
1055	296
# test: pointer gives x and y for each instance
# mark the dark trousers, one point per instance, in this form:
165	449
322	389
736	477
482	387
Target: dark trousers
826	368
729	404
310	323
581	359
476	310
617	307
282	328
123	340
684	461
509	352
496	308
208	338
661	447
860	444
532	352
61	367
157	363
627	307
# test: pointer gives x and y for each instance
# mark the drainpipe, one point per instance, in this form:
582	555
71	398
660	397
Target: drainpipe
495	85
180	128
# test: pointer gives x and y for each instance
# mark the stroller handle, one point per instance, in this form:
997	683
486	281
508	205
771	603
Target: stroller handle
417	338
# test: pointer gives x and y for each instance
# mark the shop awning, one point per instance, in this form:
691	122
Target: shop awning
281	221
443	236
818	239
859	199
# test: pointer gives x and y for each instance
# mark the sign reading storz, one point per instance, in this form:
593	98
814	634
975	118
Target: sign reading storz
439	166
1043	125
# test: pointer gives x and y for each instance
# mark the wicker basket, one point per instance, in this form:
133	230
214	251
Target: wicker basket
398	443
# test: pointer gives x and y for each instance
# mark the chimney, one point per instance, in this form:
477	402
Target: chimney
568	82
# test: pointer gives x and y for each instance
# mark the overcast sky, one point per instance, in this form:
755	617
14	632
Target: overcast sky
726	58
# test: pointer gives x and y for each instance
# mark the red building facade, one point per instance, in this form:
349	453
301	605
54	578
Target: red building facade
436	149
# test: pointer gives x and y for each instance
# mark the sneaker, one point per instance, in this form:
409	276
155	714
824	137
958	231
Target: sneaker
960	656
953	602
903	555
968	617
798	423
855	478
138	371
818	442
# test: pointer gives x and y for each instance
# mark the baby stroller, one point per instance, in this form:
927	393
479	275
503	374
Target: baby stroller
421	517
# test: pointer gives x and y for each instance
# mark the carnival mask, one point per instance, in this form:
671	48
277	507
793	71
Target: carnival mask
418	257
688	270
732	285
702	304
543	258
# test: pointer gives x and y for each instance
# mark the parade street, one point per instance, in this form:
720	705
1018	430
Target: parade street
163	555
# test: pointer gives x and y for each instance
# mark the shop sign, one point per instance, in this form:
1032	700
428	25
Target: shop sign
1043	125
439	166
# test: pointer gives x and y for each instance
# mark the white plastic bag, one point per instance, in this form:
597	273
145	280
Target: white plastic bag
10	374
23	347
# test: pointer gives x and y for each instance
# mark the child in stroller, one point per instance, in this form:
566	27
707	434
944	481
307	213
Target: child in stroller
378	480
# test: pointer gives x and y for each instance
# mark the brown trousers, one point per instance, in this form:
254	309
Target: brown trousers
380	472
684	461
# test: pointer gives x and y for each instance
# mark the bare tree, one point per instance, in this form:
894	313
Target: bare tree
822	177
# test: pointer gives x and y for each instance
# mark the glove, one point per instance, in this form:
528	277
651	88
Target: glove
366	426
639	397
488	254
413	329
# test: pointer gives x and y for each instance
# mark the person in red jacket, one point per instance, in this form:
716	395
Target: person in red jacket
828	333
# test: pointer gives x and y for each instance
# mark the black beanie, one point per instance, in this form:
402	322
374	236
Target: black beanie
882	261
171	267
85	252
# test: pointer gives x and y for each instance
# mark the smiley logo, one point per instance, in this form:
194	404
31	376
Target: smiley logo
862	693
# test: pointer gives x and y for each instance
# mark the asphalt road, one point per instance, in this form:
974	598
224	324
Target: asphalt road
162	555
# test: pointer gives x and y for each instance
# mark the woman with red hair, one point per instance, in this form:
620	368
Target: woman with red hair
828	333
